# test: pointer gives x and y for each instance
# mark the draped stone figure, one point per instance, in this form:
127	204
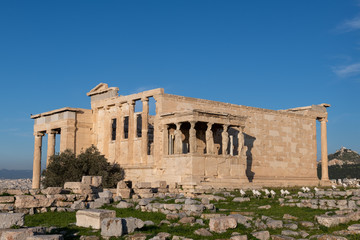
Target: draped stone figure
241	142
178	140
209	140
225	140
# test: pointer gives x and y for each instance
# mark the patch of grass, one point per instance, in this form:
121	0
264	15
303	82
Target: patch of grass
164	200
64	221
5	194
48	219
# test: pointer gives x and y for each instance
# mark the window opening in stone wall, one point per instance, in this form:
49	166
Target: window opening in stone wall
233	141
138	106
185	128
150	139
126	127
152	106
57	142
138	125
113	129
217	129
200	137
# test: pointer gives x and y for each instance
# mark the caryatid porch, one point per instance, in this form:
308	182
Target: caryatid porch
205	139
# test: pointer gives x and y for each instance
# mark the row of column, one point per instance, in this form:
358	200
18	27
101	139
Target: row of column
37	154
67	141
132	129
209	138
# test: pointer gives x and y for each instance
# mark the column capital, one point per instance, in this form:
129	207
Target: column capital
192	124
52	131
323	119
178	125
131	102
225	126
39	134
209	124
145	99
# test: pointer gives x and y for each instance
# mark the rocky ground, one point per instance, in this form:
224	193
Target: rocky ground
15	184
157	212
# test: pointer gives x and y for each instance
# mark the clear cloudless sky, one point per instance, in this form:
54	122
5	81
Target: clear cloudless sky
270	54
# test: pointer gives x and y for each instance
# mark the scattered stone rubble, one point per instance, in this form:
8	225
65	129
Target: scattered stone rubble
183	205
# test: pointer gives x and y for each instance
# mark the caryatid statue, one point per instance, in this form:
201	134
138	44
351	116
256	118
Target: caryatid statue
225	139
241	142
178	139
209	139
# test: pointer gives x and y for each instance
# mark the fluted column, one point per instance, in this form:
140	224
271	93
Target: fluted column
37	160
51	145
225	140
131	131
209	139
192	136
144	128
324	152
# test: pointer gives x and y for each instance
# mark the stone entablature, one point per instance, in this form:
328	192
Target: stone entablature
190	140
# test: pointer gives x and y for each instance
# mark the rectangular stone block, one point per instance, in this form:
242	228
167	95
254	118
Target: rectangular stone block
5	207
162	190
93	217
124	193
16	234
46	237
52	190
86	180
143	190
159	184
96	181
121	185
112	227
7	199
10	219
142	185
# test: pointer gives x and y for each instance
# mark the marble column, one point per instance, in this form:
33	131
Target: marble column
37	160
209	139
324	152
225	139
178	140
192	136
51	145
145	129
131	131
166	137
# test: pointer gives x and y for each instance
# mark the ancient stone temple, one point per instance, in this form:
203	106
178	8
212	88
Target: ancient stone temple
190	141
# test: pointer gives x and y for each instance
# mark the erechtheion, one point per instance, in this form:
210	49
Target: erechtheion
189	140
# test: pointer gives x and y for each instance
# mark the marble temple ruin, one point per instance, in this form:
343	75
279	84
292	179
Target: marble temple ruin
189	140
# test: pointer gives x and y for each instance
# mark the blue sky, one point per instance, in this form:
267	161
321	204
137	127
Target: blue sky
267	54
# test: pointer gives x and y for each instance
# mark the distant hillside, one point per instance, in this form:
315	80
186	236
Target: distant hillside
344	156
15	174
344	163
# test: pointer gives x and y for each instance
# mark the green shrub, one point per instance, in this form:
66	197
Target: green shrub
66	167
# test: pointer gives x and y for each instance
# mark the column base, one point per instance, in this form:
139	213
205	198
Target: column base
325	182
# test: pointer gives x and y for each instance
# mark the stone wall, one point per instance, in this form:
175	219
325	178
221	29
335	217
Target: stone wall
281	146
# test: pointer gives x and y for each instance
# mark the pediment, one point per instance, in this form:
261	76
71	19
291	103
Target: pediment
99	88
